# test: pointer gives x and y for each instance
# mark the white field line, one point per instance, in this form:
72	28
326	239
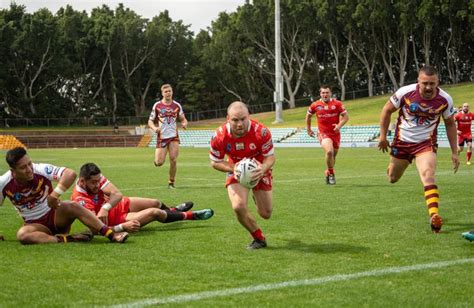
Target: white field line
293	283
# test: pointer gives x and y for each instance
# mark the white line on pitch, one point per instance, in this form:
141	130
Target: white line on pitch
294	283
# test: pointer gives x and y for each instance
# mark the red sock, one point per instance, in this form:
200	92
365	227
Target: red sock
468	154
258	235
330	171
188	215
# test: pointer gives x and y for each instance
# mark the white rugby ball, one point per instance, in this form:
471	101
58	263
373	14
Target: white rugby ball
245	169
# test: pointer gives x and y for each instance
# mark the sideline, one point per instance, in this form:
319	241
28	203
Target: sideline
293	283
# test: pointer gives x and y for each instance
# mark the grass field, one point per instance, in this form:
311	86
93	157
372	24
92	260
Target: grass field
362	242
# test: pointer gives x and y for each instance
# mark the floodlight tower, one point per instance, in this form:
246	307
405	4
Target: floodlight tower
278	94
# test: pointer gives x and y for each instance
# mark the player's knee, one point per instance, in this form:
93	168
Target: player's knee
392	178
159	163
330	153
239	208
265	214
23	237
157	214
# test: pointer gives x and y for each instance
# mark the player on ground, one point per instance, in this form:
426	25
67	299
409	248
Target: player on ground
239	138
464	119
331	116
46	218
96	193
420	106
162	121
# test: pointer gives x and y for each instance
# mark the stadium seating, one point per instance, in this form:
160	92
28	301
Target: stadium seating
8	142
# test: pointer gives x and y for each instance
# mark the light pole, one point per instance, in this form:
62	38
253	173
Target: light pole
278	94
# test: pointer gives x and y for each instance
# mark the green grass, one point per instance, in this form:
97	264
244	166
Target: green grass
361	224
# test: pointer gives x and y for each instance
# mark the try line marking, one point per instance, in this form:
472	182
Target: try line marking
293	283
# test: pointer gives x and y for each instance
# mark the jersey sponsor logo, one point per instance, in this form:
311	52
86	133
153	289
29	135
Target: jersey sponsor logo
264	132
326	107
327	115
82	203
319	107
48	169
228	147
239	146
267	146
17	196
395	98
252	146
421	121
333	107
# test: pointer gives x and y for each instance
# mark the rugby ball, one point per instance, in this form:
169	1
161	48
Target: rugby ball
245	169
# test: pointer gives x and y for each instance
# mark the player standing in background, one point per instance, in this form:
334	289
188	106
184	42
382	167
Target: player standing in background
46	218
239	138
463	120
331	116
96	193
162	121
420	105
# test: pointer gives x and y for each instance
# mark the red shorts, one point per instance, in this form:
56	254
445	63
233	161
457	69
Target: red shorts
464	138
265	183
409	150
336	139
118	213
47	220
163	143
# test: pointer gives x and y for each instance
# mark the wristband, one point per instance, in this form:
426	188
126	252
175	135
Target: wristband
107	206
58	190
118	228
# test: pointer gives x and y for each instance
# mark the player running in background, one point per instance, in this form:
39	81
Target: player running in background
420	106
239	138
96	193
331	116
162	121
463	120
46	218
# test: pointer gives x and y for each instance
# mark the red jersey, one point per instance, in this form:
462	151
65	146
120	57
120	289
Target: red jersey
464	121
328	115
256	143
90	201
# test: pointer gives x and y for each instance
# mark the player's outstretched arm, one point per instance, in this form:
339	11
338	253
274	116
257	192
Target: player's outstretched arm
308	125
64	182
451	132
387	111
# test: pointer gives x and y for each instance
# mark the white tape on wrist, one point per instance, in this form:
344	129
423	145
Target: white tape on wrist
107	206
58	190
118	228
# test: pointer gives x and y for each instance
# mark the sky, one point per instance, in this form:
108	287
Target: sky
197	13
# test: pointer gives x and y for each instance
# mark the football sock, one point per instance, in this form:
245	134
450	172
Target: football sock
258	235
432	199
331	170
164	207
468	155
171	182
61	238
107	232
174	216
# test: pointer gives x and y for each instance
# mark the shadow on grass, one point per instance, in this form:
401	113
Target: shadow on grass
458	227
157	227
320	248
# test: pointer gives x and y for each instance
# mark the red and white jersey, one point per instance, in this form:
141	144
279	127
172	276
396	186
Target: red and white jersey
166	115
464	121
92	202
418	118
328	115
256	143
30	200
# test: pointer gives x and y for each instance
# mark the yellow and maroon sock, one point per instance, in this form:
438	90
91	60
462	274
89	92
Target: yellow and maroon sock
107	232
432	199
468	156
258	235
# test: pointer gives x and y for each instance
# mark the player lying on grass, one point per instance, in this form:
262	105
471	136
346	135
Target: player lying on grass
99	195
47	219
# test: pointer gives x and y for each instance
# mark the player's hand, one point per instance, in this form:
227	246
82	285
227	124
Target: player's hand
131	226
336	127
455	159
258	173
157	130
53	202
236	171
103	216
459	132
184	124
383	145
310	132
